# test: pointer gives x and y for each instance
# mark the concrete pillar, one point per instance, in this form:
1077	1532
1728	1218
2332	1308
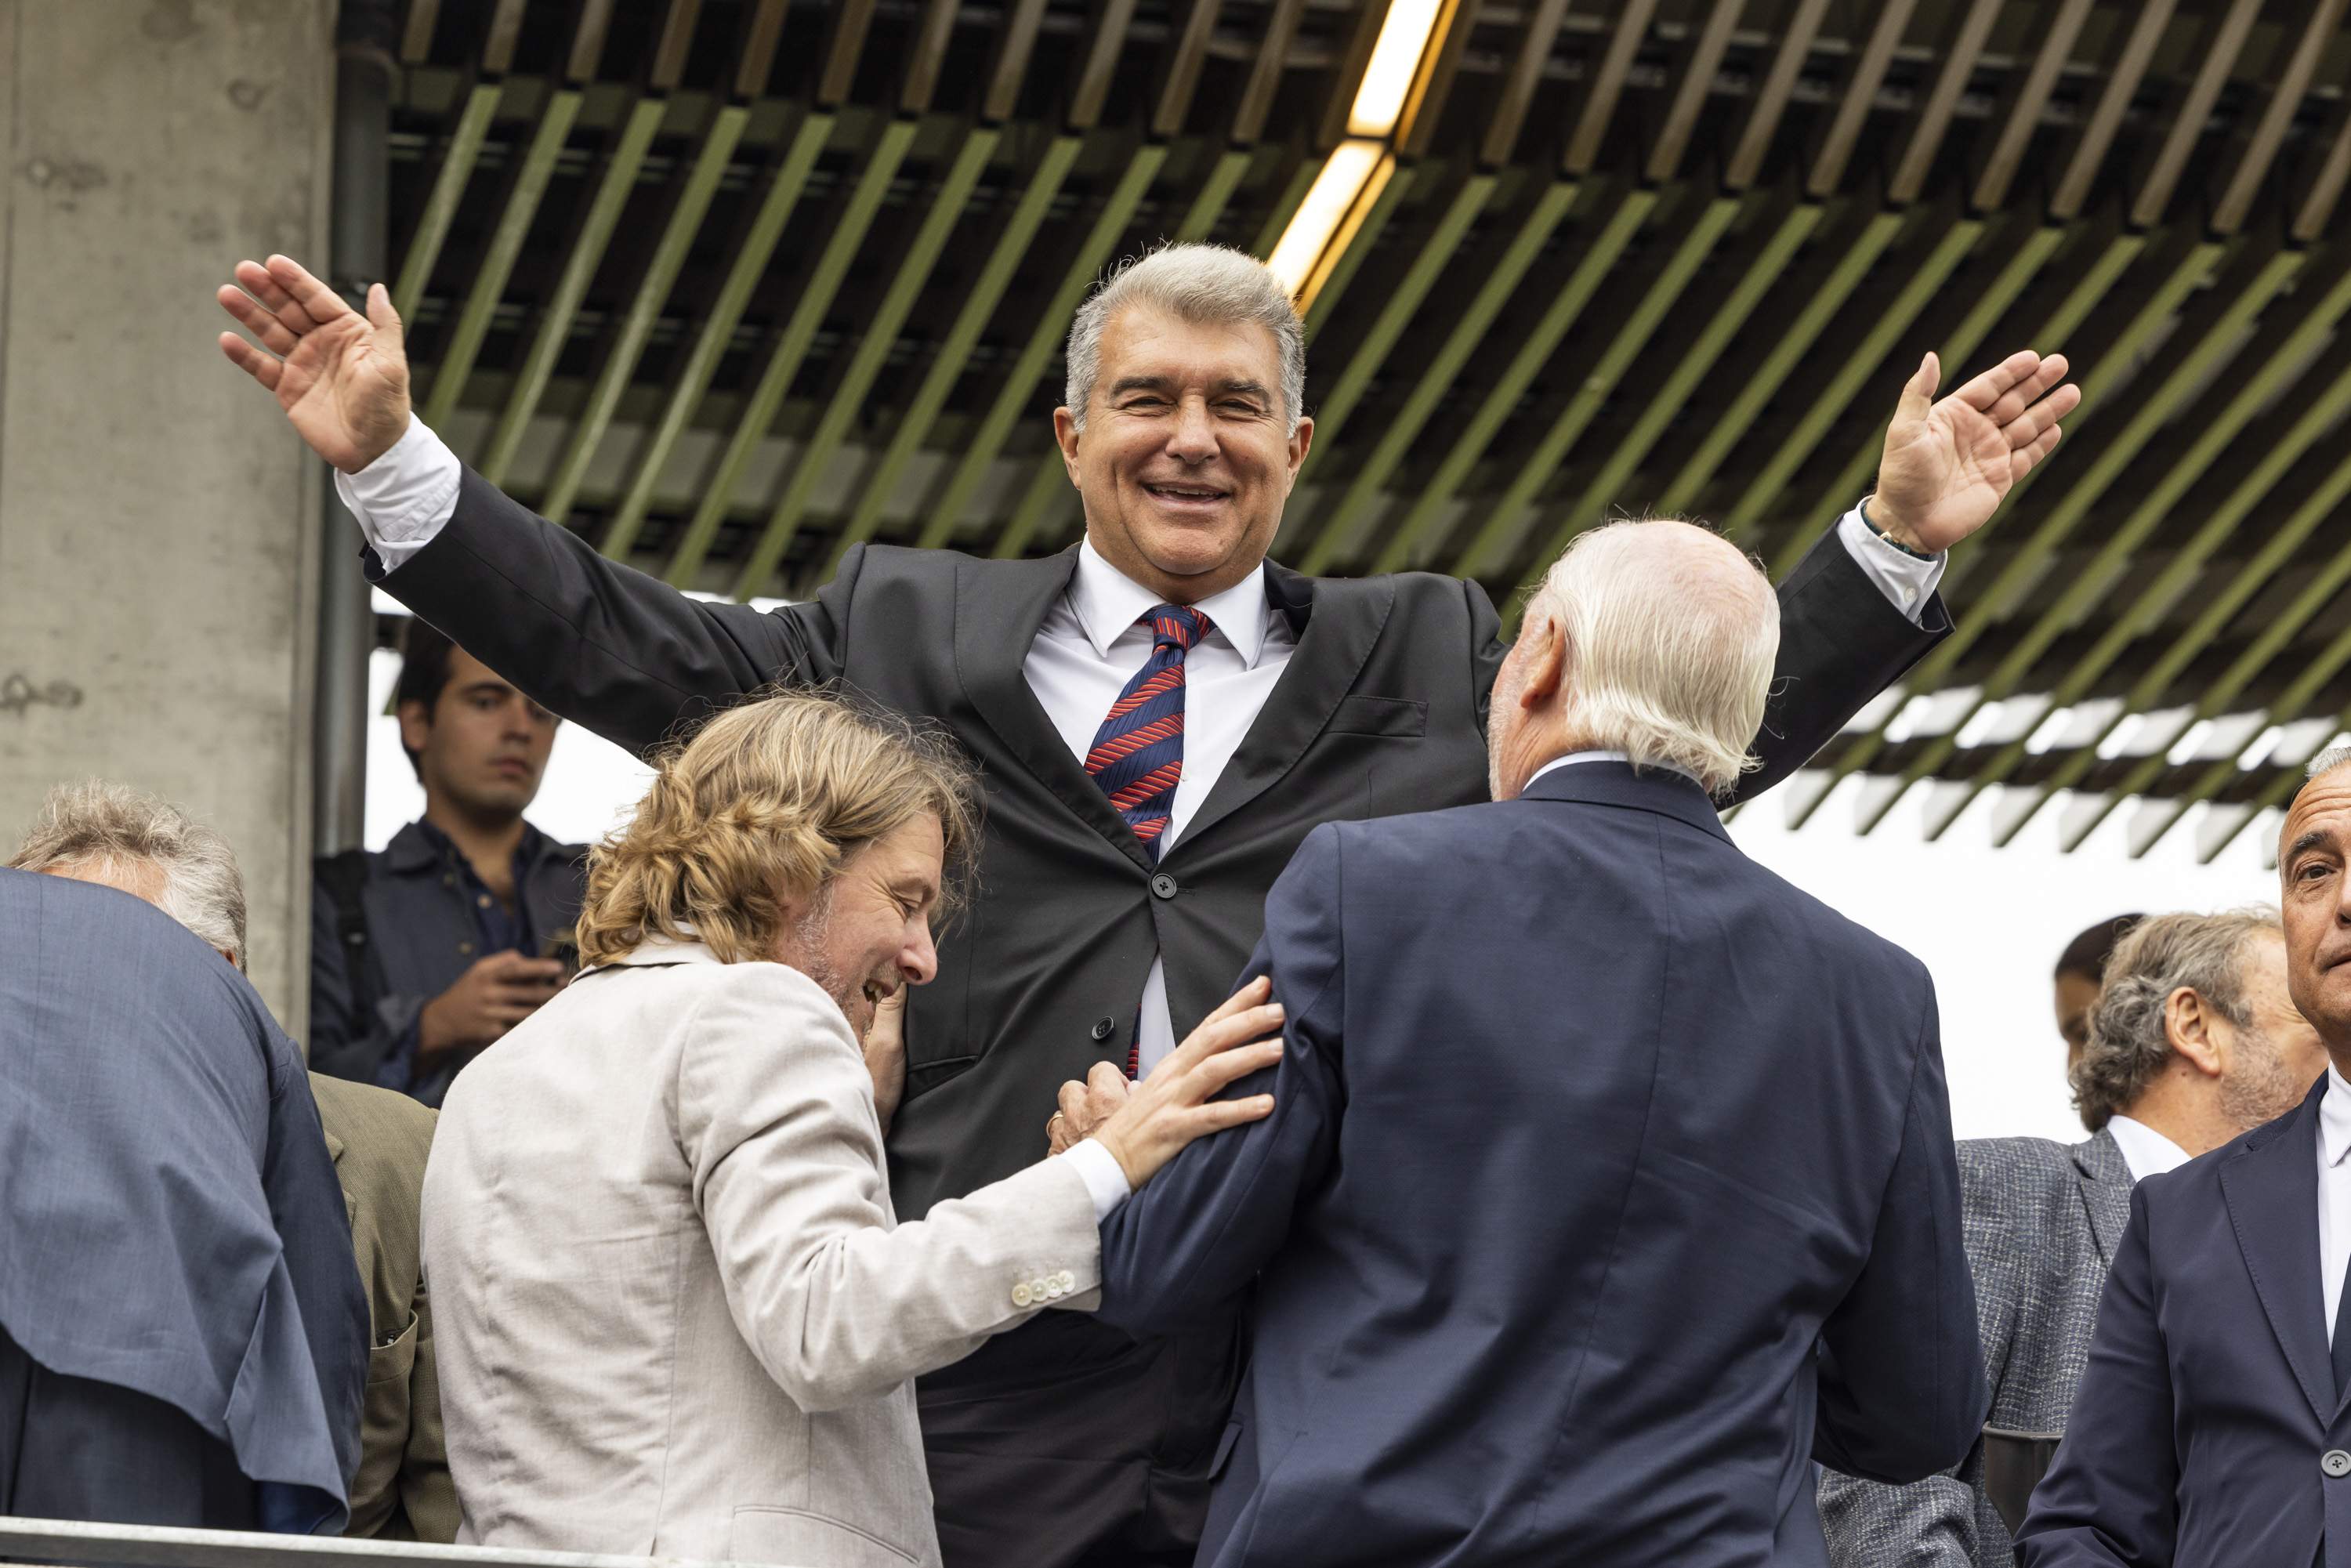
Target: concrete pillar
159	521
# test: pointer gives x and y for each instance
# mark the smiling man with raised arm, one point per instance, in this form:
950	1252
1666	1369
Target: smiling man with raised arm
1161	714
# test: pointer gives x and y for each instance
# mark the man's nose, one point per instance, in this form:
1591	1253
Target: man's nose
1194	439
919	961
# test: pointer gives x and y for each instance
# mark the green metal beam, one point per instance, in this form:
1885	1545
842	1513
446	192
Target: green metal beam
1489	549
497	263
2276	632
1431	386
1625	459
2023	266
644	310
1787	351
1052	326
2215	614
874	345
719	329
2277	371
1401	307
578	270
784	361
1048	483
955	352
1216	195
2020	571
1823	409
1426	515
448	190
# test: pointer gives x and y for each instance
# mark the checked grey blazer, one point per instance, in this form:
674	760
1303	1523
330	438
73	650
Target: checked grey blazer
2042	1219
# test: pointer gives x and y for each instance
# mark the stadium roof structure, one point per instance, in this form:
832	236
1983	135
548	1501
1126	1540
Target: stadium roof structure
727	286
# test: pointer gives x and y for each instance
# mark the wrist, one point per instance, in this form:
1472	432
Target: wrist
1888	526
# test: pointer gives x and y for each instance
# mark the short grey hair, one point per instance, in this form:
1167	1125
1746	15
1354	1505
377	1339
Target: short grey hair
104	827
2129	1047
1671	641
1208	285
2326	762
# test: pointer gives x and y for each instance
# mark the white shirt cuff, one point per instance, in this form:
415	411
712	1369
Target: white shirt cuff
1103	1178
1905	579
406	496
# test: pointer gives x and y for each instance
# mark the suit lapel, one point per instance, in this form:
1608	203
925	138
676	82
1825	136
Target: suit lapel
1339	619
2106	1182
2272	1189
998	607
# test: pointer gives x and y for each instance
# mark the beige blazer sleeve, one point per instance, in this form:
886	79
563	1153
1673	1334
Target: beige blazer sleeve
774	1115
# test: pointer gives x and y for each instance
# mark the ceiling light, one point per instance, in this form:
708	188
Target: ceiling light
1395	60
1347	186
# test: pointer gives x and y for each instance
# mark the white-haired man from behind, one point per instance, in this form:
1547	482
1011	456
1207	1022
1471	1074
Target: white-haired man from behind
1609	1182
1163	714
128	840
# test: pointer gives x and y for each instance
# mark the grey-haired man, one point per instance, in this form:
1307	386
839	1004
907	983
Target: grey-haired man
1162	715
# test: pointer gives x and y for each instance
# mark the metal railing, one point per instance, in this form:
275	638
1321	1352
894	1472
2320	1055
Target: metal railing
156	1546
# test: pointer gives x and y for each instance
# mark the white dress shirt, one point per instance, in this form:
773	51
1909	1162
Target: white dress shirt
2146	1151
2334	1190
1088	649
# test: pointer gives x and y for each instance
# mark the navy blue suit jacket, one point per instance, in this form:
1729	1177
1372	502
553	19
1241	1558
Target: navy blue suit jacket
170	1219
1609	1182
2209	1403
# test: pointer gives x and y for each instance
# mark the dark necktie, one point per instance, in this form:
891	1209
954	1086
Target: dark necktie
1137	756
2343	1339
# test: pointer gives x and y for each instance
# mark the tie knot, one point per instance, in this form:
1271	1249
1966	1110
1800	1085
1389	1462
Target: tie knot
1176	626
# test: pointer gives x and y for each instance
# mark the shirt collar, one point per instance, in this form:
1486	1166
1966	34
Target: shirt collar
1572	757
2146	1152
1108	603
2335	1117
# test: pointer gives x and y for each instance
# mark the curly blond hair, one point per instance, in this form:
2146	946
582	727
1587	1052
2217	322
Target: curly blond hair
760	805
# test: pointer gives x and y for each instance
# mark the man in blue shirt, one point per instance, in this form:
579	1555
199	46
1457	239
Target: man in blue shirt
425	953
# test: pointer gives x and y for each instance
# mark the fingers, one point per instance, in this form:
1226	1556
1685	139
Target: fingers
1919	391
255	279
1223	1034
272	334
1218	1114
1106	1081
318	303
1231	1066
263	368
2021	463
2029	392
1072	1102
382	316
2030	426
1983	392
1248	995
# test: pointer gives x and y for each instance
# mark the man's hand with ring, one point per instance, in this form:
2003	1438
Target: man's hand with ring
1085	1106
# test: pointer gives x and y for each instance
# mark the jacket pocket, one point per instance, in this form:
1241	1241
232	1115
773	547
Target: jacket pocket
1395	717
392	1361
805	1540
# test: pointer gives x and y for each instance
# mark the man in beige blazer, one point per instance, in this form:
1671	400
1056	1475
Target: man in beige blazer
676	1313
379	1140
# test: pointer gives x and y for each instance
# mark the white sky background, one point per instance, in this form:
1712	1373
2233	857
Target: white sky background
1988	923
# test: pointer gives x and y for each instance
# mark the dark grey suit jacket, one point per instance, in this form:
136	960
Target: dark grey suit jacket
169	1221
2042	1222
1381	709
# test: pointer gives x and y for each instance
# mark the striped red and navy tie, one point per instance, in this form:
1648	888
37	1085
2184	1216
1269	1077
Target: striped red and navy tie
1137	756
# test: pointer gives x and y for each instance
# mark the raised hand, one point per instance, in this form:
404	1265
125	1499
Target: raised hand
341	376
1947	466
885	1055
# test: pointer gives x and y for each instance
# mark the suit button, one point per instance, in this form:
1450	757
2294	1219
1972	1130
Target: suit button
1163	886
2335	1462
1068	1281
465	949
1022	1295
1102	1028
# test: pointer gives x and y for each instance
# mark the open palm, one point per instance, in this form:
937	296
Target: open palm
1947	466
341	376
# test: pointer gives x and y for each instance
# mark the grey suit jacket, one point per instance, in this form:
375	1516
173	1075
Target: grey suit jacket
674	1313
2042	1221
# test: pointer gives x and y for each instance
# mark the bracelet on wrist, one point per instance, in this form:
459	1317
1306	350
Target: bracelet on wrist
1889	538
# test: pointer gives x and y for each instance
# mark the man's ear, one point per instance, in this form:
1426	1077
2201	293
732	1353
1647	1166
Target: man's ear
1066	431
1302	440
2196	1031
1542	670
415	725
